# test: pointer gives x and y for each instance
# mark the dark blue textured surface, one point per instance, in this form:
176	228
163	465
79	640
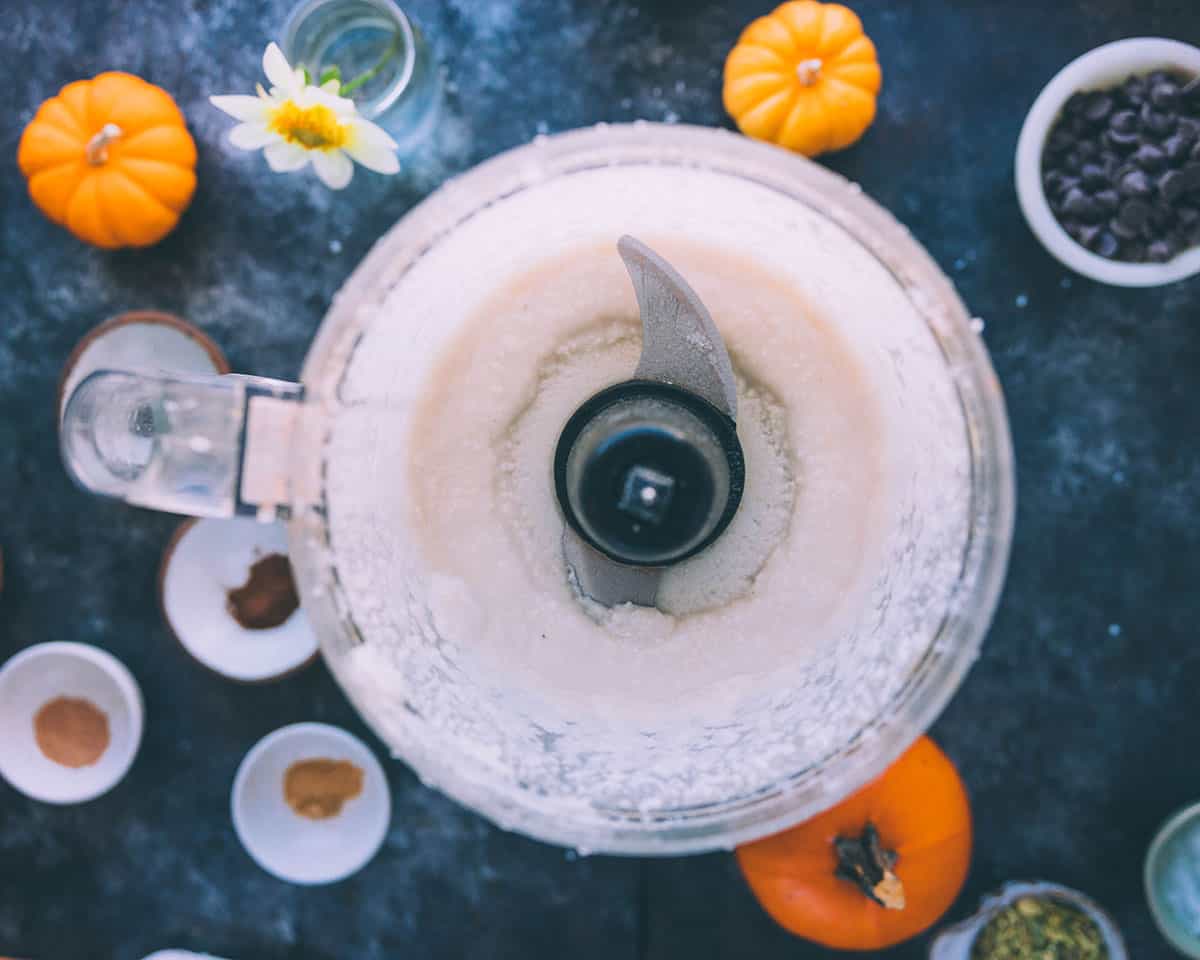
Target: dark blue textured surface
1076	732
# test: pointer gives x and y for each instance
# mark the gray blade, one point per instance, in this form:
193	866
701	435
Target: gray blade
605	581
680	342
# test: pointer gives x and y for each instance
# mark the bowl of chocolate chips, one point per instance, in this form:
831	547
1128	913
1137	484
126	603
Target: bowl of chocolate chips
1108	163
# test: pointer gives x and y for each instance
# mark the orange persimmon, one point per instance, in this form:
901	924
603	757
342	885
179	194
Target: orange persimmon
877	869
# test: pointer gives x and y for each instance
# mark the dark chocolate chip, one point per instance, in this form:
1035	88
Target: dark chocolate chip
1072	162
1155	122
1149	157
1135	87
1106	245
1094	176
1187	215
1087	150
1176	183
1133	251
1060	141
1098	107
1052	183
1133	215
1107	200
1078	126
1161	216
1195	152
1122	142
1189	126
1123	121
1075	104
1076	203
1175	148
1159	252
1120	230
1191	90
1164	95
1173	185
1135	183
1087	235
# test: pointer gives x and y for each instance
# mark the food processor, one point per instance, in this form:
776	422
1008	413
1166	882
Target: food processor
649	489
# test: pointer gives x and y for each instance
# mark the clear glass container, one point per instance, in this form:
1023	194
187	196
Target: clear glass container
545	777
383	60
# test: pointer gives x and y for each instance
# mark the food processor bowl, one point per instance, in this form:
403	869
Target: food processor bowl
643	797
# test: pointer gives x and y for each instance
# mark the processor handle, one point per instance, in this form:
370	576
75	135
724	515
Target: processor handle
204	446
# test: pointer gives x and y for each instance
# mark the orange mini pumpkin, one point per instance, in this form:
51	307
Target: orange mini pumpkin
880	867
805	77
111	160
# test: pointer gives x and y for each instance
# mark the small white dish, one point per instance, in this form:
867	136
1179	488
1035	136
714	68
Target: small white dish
140	340
295	848
1102	67
179	955
955	942
1176	840
203	561
39	674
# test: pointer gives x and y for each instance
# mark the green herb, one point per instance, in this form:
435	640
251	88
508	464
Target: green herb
329	73
1040	928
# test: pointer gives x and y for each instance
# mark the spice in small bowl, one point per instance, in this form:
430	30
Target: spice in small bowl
1040	928
1032	921
1121	167
71	720
320	788
311	803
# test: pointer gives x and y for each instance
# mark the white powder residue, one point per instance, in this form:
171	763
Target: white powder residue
781	644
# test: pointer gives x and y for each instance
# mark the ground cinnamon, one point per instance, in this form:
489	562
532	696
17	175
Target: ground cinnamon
319	788
268	597
71	731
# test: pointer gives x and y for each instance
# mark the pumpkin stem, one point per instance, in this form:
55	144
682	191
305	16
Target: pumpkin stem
97	147
864	862
809	71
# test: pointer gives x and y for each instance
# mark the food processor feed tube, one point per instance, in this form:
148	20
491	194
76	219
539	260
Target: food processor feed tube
641	545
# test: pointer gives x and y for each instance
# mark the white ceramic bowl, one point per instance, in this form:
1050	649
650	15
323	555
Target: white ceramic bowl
955	942
295	848
203	561
179	955
41	673
1103	67
1176	925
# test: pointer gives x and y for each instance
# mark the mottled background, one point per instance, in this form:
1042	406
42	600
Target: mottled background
1076	732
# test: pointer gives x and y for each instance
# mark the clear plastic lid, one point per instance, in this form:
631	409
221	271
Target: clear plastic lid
793	676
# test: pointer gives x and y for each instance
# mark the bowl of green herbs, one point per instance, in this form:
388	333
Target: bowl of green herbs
1033	921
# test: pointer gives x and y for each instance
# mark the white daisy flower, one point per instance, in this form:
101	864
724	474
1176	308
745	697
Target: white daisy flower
296	122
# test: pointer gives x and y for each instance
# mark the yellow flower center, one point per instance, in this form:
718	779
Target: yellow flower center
314	128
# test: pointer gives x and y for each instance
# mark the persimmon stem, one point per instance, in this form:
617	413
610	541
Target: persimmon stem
864	862
97	147
809	71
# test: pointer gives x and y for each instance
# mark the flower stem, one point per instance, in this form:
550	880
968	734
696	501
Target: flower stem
352	85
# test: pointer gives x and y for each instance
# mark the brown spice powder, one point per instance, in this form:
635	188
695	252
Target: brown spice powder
71	731
267	598
319	788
